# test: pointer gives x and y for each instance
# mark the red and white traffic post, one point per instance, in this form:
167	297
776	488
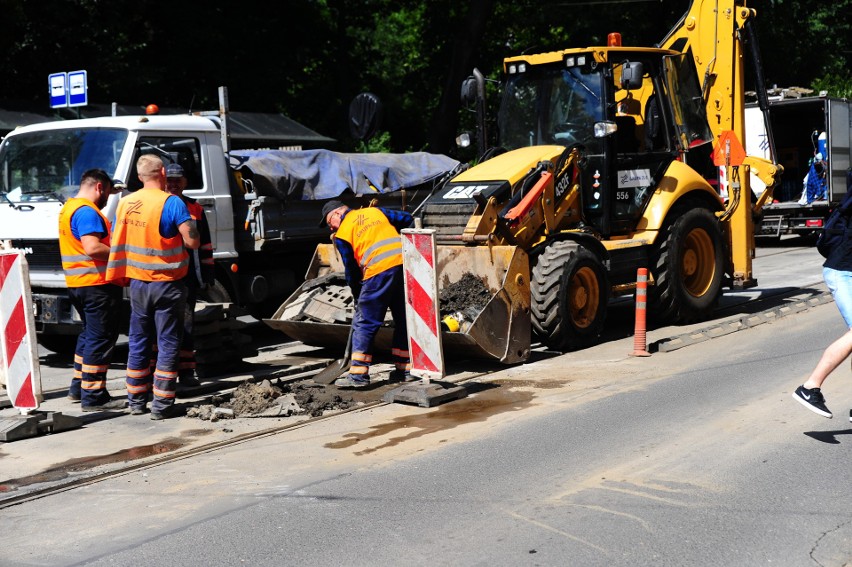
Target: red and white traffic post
422	313
19	346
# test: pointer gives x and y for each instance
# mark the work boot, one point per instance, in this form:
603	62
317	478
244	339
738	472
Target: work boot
398	375
188	382
167	413
111	404
74	398
352	381
138	410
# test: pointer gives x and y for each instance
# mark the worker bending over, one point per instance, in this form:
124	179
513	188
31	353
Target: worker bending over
369	243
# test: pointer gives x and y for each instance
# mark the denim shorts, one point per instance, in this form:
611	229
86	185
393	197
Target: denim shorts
840	285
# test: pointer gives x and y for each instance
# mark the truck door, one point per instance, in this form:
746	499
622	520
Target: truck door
839	150
642	147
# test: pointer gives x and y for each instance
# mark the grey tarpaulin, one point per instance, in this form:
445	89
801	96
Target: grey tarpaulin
323	174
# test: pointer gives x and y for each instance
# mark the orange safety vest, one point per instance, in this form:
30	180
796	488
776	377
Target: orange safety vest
138	250
375	241
81	270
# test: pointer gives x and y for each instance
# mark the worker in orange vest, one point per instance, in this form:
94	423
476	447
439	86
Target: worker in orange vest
84	240
153	231
200	273
368	241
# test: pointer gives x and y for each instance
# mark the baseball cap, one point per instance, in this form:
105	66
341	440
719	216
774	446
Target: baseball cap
174	170
327	208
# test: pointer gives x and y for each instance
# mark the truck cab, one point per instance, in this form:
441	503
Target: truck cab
41	166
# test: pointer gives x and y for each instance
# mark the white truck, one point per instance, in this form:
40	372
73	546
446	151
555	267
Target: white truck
263	207
801	127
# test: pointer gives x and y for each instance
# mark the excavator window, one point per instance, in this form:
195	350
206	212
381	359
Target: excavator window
687	101
552	105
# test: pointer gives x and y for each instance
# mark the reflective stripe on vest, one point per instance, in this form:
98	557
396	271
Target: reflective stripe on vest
138	251
375	241
81	270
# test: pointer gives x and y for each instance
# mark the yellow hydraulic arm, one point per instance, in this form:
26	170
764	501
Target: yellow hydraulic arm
713	32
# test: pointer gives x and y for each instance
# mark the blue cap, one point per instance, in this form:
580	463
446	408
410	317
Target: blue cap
174	170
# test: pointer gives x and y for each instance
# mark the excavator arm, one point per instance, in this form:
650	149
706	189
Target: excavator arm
716	33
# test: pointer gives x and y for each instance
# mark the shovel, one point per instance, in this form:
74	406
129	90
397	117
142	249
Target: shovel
333	371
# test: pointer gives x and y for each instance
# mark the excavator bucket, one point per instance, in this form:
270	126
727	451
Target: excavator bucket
496	326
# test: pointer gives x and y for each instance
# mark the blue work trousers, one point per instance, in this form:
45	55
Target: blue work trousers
378	293
186	362
157	313
99	307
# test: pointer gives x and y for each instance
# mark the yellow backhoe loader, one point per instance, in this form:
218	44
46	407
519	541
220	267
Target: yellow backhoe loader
608	161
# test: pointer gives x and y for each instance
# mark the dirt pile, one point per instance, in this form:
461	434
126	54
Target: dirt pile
469	293
265	399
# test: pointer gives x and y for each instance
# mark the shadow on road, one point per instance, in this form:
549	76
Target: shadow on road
828	436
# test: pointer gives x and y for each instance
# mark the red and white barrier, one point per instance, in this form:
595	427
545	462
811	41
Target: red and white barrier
422	305
19	346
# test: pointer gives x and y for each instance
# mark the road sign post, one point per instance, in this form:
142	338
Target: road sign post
78	89
57	90
68	89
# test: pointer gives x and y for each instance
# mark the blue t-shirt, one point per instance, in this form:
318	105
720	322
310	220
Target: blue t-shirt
174	214
86	220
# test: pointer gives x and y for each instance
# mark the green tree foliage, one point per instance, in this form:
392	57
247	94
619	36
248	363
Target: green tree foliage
309	58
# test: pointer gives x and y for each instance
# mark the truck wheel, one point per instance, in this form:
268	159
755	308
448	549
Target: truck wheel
214	293
687	265
569	293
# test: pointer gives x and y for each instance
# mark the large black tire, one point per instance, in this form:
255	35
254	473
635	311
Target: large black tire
569	295
214	293
688	266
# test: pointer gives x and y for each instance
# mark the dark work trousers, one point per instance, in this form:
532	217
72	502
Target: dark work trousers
379	292
186	363
99	307
156	316
186	357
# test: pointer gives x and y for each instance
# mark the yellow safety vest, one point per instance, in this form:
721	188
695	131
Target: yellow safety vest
81	270
374	239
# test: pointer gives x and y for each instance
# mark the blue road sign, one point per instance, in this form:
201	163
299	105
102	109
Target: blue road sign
57	88
78	89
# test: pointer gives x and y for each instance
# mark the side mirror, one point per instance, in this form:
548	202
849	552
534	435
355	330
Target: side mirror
631	75
365	116
468	91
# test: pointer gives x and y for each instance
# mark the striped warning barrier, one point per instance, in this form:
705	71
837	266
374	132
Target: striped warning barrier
19	346
422	304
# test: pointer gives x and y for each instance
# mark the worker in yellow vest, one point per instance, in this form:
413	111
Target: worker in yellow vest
152	232
369	243
84	240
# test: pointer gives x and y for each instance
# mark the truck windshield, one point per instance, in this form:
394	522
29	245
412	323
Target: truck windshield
551	105
47	165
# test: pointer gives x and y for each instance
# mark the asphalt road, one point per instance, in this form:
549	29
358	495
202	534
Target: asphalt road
692	457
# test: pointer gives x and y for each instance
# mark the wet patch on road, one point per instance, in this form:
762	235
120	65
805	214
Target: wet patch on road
484	401
70	467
